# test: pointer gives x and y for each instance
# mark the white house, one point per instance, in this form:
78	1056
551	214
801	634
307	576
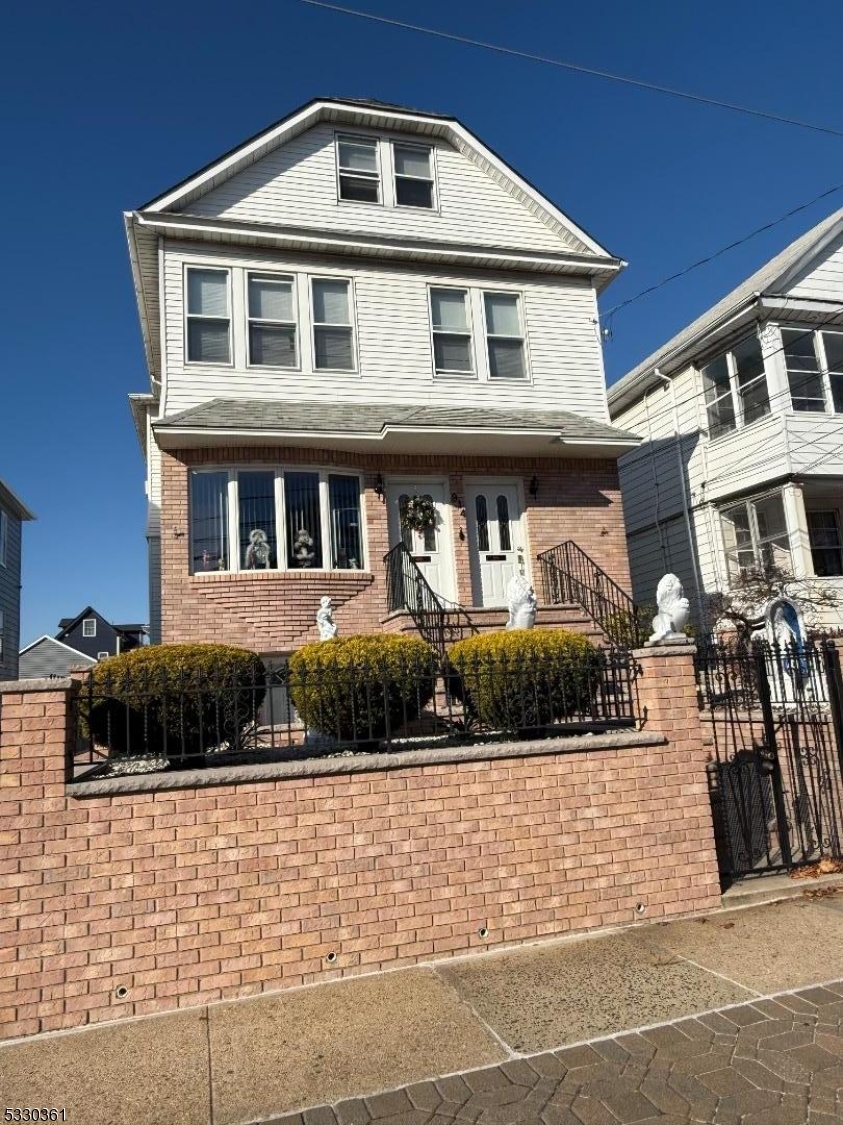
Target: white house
362	306
742	419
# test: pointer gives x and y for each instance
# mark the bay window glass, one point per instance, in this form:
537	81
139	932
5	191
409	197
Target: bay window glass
209	521
357	164
413	176
833	345
333	334
717	389
451	332
803	371
826	543
751	380
504	335
256	508
208	318
755	535
304	520
344	508
272	322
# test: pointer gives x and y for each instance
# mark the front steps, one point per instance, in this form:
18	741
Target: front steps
467	621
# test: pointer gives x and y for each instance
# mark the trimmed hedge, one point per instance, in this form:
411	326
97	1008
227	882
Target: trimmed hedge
355	689
174	701
524	679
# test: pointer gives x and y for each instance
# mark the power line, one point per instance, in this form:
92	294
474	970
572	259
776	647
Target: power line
576	68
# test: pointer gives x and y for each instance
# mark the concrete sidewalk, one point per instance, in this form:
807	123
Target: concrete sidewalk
262	1058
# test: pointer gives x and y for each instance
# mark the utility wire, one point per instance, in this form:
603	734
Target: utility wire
576	68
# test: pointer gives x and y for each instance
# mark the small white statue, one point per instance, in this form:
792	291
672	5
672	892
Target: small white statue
325	620
673	612
258	551
303	551
522	603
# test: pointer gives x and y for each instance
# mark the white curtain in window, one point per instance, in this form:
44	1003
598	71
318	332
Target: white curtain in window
412	162
330	302
207	292
502	315
448	309
271	300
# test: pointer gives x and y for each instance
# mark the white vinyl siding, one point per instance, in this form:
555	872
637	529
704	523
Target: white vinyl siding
208	316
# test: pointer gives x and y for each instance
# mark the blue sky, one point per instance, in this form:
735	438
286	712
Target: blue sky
103	106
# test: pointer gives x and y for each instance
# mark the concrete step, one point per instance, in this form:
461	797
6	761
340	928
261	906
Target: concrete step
771	888
470	620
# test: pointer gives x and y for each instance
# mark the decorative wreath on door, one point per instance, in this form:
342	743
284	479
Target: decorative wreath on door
418	514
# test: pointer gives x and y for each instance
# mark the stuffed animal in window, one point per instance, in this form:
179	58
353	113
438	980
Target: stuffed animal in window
258	551
303	551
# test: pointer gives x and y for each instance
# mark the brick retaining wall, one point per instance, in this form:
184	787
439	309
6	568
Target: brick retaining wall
204	892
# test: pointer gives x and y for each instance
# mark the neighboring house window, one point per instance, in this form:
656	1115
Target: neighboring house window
89	627
735	387
452	353
208	318
281	519
413	175
333	331
755	535
803	371
826	543
273	328
103	655
504	335
357	168
4	537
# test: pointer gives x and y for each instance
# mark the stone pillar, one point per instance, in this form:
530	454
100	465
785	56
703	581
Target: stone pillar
667	702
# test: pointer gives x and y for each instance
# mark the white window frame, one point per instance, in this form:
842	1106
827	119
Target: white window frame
471	375
270	275
376	177
103	655
188	316
85	623
822	367
526	377
434	195
734	390
4	539
236	563
352	313
757	541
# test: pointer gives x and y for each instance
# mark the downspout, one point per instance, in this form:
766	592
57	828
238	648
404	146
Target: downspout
685	507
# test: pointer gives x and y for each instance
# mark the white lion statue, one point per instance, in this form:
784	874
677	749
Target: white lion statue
673	611
522	603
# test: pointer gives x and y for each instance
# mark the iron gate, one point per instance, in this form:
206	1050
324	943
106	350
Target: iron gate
773	719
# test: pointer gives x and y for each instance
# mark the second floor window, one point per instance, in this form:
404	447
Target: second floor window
208	317
755	535
814	363
357	166
272	322
504	336
451	332
735	387
333	332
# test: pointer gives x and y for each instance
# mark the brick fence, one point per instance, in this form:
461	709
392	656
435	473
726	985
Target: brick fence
226	883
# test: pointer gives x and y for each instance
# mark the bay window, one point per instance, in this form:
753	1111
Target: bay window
273	328
274	519
413	175
826	543
735	387
755	535
208	316
504	335
333	332
451	332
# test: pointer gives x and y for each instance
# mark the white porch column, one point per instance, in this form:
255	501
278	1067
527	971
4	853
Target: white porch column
797	527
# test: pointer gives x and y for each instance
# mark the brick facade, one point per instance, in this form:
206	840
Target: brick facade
274	611
189	895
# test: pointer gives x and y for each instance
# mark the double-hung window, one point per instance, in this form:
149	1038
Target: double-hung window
357	169
273	328
413	166
717	387
826	543
89	627
735	387
832	343
449	318
333	330
270	519
750	379
803	371
755	535
504	336
208	316
4	538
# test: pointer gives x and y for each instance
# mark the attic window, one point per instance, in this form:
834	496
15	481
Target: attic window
413	176
89	627
357	165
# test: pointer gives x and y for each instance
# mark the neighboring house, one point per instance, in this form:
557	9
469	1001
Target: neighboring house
13	514
90	634
360	306
49	657
742	416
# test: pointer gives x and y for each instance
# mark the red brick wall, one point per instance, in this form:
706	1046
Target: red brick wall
275	612
192	895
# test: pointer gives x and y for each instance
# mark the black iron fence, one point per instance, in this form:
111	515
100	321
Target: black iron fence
280	711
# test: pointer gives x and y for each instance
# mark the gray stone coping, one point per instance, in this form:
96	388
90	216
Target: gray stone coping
360	763
669	649
20	687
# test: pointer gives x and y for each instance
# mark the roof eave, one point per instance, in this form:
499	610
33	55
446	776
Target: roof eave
14	504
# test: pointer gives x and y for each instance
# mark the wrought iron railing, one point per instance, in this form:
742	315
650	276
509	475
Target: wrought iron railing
568	574
408	589
142	723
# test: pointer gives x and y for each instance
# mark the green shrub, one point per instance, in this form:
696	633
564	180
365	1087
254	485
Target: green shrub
630	629
357	689
173	701
525	679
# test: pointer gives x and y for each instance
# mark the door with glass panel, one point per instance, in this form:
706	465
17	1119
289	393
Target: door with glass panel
495	540
432	549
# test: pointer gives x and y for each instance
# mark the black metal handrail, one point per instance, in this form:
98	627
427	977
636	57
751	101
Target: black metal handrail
568	574
408	589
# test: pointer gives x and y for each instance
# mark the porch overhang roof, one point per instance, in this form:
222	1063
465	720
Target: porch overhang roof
389	428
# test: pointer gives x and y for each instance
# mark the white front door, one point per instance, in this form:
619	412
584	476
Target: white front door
496	540
432	550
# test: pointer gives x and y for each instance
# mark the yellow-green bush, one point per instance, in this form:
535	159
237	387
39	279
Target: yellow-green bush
173	701
525	679
357	689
